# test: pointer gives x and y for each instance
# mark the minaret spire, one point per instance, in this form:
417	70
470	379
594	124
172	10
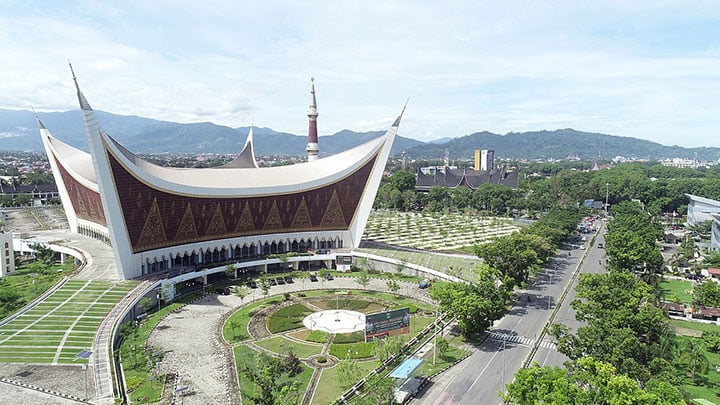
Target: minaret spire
312	147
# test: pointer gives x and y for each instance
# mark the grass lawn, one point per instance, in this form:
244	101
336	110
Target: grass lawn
451	355
681	326
329	389
677	289
279	344
361	350
241	318
288	318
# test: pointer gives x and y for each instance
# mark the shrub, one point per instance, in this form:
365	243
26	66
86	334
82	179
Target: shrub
134	382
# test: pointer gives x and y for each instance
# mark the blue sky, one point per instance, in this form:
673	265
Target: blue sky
645	69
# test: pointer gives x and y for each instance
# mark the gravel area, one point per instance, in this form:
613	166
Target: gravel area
68	380
195	351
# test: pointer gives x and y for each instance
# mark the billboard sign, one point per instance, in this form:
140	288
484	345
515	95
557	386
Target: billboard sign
388	323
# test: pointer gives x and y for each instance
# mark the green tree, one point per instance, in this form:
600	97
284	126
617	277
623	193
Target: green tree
588	381
516	256
475	305
362	280
273	383
442	346
693	358
706	294
43	253
242	292
379	390
22	200
393	286
231	271
348	372
145	303
264	286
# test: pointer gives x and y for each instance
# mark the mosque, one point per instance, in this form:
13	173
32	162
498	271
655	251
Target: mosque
160	218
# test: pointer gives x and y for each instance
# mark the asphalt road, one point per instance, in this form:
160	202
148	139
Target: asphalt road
479	378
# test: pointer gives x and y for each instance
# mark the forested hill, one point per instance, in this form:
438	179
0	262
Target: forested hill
18	131
559	144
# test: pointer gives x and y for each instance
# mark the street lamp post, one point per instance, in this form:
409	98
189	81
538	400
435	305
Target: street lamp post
503	369
606	197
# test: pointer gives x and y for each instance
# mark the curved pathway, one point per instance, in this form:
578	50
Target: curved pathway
190	337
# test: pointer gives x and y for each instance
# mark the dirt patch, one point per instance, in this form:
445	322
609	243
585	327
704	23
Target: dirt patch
352	304
302	334
688	332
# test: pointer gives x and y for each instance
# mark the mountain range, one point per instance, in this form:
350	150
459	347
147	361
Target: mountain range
18	131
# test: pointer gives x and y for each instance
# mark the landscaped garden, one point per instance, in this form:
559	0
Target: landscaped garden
435	231
349	358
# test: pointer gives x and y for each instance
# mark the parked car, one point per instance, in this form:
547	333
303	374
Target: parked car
251	284
289	280
223	291
329	277
313	278
424	283
280	280
272	281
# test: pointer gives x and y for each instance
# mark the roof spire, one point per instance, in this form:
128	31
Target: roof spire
40	124
312	147
84	105
397	120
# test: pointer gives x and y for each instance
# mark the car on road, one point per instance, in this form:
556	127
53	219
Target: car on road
600	246
313	278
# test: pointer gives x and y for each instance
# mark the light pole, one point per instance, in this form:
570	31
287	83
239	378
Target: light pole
606	197
549	294
503	369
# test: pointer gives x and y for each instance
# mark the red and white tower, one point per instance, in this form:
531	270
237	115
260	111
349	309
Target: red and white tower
312	147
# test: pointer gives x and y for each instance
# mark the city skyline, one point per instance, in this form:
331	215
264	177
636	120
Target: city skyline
648	70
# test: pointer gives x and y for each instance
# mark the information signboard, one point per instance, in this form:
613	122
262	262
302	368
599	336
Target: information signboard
388	323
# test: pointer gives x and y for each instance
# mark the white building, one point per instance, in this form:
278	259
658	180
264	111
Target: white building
701	209
7	254
161	218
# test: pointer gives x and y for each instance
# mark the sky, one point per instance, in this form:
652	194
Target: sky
643	69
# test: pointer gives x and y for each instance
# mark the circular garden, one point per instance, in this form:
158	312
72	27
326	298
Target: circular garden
269	337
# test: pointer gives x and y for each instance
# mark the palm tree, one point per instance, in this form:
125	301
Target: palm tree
692	355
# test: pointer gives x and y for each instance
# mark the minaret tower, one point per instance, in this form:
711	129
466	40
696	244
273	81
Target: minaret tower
312	147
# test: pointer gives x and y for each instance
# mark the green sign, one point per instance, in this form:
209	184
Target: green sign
384	324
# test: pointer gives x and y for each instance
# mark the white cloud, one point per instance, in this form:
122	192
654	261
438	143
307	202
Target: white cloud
642	68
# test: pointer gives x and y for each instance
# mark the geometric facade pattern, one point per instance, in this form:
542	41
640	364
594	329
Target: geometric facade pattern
188	219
